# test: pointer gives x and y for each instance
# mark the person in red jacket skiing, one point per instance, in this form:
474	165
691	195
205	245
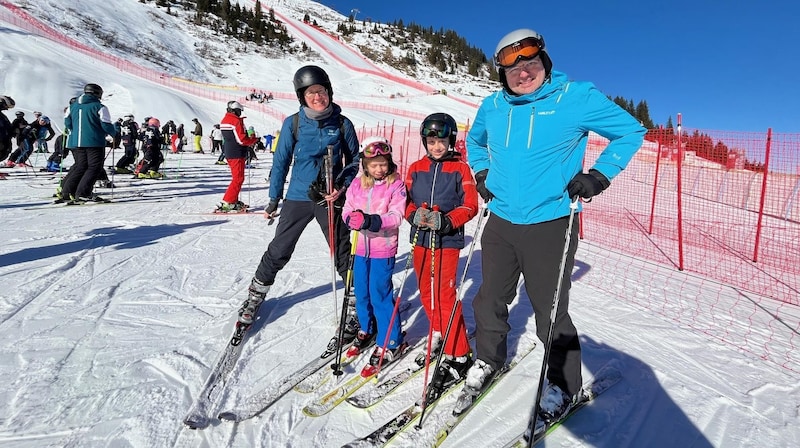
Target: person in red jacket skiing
236	145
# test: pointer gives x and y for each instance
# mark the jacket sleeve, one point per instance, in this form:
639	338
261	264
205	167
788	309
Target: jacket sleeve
51	132
350	154
477	141
469	208
281	160
624	133
349	202
68	119
411	207
393	218
105	121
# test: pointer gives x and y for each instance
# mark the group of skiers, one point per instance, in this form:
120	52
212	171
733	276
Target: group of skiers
531	182
29	137
525	147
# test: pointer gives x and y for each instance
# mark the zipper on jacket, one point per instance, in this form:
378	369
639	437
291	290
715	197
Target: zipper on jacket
368	210
530	126
508	126
436	166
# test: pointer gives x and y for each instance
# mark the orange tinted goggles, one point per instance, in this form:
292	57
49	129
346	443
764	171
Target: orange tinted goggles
511	54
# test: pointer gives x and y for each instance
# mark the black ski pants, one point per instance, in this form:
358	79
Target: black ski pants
535	251
82	175
294	217
129	158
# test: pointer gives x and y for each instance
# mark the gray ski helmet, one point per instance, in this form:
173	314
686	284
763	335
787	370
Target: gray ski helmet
6	102
517	36
306	77
93	89
439	125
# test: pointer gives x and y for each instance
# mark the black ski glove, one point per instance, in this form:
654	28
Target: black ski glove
272	207
317	192
480	180
587	185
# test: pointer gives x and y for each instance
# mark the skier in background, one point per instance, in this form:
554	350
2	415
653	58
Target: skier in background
236	147
129	135
6	128
197	135
88	122
216	139
152	157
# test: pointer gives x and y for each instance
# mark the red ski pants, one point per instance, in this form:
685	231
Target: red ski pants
445	263
237	180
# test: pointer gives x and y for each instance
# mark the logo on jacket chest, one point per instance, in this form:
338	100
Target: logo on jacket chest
546	112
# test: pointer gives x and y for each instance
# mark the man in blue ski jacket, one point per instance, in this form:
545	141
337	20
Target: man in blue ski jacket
526	146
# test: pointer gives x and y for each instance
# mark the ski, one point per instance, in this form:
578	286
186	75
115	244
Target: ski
339	394
265	398
197	418
370	396
321	377
464	404
402	421
391	429
604	379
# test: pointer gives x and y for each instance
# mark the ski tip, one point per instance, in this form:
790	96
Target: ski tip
370	372
228	416
196	423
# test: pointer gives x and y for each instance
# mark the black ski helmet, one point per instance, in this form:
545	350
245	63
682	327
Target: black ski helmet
93	89
306	77
439	125
516	37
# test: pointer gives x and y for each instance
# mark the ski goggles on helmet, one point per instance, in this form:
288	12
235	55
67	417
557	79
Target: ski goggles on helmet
509	55
435	128
377	149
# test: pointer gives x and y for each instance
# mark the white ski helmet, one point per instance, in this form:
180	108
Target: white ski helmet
523	43
235	107
372	147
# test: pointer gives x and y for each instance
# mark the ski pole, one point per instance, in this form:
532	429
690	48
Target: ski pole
113	172
433	310
249	182
331	233
459	298
573	206
336	366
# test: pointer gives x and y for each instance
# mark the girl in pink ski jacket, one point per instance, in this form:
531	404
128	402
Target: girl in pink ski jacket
374	208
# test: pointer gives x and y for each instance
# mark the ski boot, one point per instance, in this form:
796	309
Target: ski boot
249	309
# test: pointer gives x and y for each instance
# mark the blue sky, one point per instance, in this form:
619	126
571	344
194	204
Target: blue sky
722	65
